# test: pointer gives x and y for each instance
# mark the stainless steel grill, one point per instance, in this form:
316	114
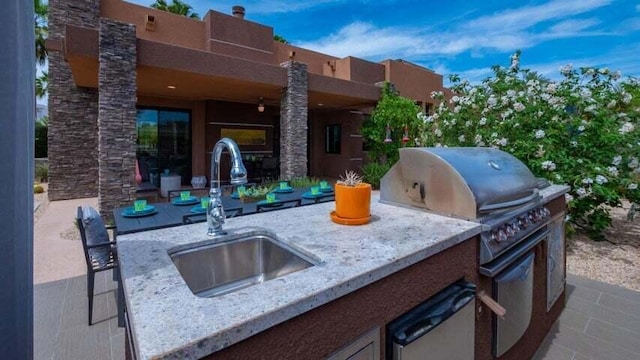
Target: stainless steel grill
495	189
484	185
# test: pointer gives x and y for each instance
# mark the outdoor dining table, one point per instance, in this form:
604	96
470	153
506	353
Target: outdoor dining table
169	215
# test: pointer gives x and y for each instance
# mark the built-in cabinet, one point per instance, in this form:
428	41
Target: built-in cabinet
365	347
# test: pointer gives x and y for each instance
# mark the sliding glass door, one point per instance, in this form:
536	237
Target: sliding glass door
164	143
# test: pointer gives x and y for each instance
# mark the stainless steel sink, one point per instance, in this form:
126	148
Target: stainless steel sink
221	268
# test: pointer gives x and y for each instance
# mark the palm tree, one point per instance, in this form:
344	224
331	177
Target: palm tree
42	84
176	7
42	29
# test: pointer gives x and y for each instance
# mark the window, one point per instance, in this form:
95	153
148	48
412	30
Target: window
332	139
164	142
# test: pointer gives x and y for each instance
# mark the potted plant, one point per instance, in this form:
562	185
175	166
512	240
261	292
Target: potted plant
353	197
253	194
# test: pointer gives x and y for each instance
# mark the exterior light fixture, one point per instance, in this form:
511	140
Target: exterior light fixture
150	23
260	104
171	87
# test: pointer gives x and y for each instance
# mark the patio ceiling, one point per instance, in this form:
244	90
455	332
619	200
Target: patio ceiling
170	71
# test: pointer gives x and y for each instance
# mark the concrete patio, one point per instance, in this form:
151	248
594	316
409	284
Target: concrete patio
601	321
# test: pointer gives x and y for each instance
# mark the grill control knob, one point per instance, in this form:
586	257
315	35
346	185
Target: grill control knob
522	222
501	236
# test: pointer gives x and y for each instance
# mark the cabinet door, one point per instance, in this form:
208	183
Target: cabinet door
555	260
365	347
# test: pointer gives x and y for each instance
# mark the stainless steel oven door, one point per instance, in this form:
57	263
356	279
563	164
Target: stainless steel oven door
513	289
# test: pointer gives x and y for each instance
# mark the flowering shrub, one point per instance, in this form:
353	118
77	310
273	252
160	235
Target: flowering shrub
582	130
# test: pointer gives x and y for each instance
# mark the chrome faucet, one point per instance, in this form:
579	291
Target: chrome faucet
215	211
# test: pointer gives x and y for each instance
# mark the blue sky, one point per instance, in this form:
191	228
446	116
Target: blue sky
457	36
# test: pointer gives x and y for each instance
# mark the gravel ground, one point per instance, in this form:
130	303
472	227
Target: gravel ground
616	261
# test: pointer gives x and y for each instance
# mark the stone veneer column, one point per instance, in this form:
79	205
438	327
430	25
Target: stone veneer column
293	121
73	111
117	115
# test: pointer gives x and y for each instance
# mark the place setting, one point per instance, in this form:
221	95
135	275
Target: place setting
283	188
202	207
314	192
140	208
185	199
270	200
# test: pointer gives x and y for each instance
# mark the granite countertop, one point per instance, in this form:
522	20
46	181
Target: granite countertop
169	322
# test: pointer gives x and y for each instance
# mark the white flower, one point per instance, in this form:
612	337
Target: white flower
581	128
612	170
626	127
492	101
626	97
580	161
568	197
539	134
585	94
566	70
457	109
483	121
632	186
438	145
587	181
494	134
633	163
601	179
461	138
612	104
551	88
548	165
511	93
477	139
436	94
590	108
604	71
616	160
468	124
540	152
581	192
573	143
518	106
616	75
438	132
455	99
502	142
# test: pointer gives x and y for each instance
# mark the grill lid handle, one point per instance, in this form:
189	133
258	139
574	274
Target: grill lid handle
512	203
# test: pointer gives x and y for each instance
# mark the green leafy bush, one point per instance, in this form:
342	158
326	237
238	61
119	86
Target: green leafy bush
255	192
38	189
582	130
399	115
42	172
373	172
303	182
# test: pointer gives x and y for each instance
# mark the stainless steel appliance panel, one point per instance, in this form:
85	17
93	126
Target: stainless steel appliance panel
441	328
513	289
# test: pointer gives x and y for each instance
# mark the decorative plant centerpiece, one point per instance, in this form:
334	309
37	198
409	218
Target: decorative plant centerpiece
353	199
255	193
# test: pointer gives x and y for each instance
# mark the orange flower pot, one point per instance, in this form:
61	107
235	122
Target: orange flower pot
353	202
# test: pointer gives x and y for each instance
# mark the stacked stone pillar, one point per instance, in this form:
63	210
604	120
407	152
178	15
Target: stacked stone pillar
293	121
116	115
73	111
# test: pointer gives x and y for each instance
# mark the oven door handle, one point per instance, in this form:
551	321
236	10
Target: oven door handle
508	204
502	262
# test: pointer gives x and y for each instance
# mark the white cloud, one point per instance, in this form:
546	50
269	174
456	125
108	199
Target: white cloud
574	25
528	16
504	31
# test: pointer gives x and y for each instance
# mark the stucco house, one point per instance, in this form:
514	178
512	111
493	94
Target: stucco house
129	82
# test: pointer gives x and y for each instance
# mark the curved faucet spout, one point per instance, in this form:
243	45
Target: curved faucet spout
238	171
215	211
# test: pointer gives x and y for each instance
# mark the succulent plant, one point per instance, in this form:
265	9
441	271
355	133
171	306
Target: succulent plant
350	178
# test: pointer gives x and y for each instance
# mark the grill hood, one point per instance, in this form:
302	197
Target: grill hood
467	182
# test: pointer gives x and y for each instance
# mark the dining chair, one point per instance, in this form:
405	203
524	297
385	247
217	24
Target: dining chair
99	251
